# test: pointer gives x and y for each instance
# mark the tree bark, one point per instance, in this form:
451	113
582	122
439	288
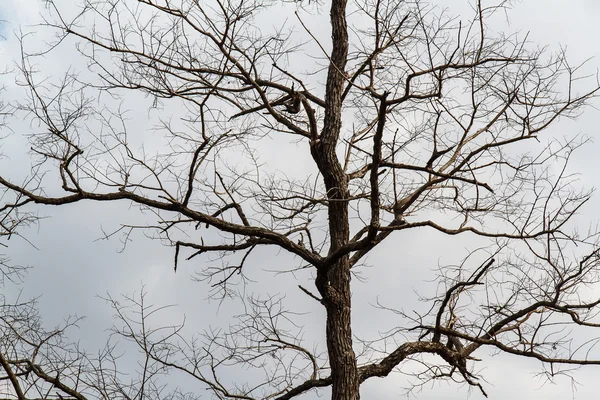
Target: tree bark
342	360
333	282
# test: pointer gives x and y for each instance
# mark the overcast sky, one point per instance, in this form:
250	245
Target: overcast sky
71	267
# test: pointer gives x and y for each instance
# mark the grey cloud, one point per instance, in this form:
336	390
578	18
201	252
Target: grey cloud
71	268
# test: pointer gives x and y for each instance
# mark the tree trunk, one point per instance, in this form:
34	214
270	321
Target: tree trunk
333	282
342	359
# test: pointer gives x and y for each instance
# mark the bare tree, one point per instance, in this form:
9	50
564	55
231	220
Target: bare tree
407	119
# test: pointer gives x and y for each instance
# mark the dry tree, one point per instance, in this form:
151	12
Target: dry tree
405	120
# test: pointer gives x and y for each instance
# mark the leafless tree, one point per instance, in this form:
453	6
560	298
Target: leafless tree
406	119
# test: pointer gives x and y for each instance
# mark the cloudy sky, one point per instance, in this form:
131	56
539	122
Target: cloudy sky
72	268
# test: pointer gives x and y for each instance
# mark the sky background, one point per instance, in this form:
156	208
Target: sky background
72	268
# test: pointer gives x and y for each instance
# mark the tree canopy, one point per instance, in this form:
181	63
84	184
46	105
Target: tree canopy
312	133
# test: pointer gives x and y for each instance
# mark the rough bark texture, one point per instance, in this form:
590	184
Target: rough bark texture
333	282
